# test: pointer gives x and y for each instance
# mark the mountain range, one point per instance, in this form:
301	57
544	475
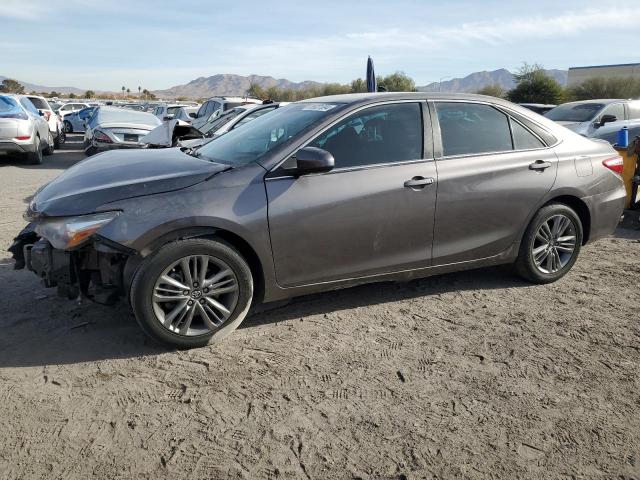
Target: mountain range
230	84
475	81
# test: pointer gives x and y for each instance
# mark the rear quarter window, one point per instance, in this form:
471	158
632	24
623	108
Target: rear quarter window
9	108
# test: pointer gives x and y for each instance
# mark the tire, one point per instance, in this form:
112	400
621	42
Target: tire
152	315
56	140
68	128
48	150
35	158
544	261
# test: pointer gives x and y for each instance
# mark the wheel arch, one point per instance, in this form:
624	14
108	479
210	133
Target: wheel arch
581	209
244	248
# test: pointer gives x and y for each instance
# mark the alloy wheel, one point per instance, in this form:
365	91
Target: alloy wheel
554	244
195	295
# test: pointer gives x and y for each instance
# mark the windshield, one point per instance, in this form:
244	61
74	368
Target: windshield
574	112
212	125
255	139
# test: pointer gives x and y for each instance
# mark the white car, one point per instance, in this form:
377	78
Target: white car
218	105
166	111
54	121
68	108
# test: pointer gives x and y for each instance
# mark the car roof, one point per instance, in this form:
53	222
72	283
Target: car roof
349	98
606	101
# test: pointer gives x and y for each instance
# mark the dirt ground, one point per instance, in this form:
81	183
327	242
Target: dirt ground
470	375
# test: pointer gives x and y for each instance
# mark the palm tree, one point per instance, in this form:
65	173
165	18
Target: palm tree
128	92
139	88
123	89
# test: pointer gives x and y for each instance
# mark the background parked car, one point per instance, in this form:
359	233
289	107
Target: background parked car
23	130
110	128
76	121
599	118
49	115
539	108
218	105
186	114
68	108
165	111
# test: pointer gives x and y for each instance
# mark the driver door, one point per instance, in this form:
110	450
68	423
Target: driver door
609	131
363	217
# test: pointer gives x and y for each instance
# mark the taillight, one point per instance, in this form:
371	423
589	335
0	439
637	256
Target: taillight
27	137
614	164
46	114
101	137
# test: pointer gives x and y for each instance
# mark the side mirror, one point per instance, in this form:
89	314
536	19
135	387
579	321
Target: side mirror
607	119
193	115
41	113
313	160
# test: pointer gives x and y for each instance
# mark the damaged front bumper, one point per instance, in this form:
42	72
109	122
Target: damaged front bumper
94	271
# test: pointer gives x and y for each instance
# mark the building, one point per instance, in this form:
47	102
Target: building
624	70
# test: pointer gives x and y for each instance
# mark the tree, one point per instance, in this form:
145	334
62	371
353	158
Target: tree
11	86
256	91
53	93
397	82
533	85
358	86
605	88
139	88
123	89
128	93
494	90
89	94
72	95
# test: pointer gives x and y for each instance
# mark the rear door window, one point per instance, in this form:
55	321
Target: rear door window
39	103
472	128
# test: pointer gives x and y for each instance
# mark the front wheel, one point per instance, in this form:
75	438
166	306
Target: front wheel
550	245
68	128
191	292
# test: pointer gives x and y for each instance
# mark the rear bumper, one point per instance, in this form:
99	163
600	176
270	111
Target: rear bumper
105	147
606	210
10	147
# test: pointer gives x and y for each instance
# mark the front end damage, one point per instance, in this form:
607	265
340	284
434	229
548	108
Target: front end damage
93	271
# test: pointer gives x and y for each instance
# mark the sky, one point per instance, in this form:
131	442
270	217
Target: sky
155	44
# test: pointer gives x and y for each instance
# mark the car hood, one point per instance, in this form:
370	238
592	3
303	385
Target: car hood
574	126
118	175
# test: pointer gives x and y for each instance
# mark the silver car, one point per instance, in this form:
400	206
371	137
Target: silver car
322	194
23	129
599	118
111	128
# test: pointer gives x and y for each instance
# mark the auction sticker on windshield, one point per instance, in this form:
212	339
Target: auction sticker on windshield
319	107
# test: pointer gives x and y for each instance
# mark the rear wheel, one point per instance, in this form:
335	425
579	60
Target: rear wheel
35	157
48	149
192	292
551	244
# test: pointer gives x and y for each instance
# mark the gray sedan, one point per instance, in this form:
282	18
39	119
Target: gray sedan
323	194
111	128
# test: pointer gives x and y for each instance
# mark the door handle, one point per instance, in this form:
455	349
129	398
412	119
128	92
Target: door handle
539	165
418	182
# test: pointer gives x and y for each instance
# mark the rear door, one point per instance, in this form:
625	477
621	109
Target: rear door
492	172
373	213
